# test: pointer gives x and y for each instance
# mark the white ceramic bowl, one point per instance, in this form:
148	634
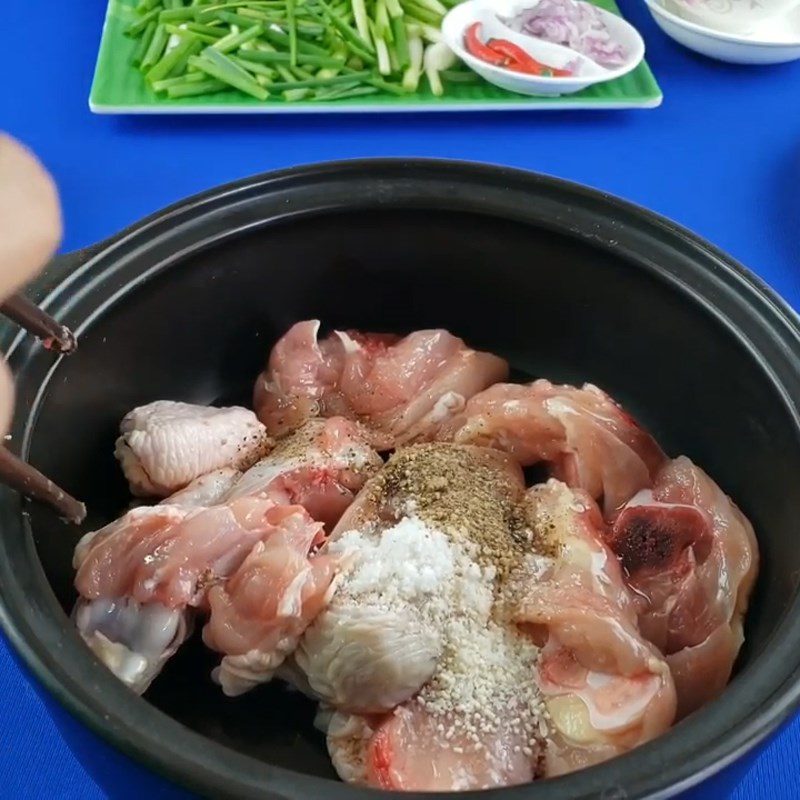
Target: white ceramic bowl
733	16
773	42
587	72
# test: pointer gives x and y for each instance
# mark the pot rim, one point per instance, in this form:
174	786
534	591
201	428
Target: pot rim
766	692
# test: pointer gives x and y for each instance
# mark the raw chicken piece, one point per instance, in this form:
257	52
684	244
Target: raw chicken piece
140	577
134	640
587	439
320	466
170	554
165	445
372	648
692	557
413	651
607	690
259	614
406	750
207	490
402	390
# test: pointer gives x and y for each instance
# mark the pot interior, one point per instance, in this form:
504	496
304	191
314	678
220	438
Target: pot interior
200	328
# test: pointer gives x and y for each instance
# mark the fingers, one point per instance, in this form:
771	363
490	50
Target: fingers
30	217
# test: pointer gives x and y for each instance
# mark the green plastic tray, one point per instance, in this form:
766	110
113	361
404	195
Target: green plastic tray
119	88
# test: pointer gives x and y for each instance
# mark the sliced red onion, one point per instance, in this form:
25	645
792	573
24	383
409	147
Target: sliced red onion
573	24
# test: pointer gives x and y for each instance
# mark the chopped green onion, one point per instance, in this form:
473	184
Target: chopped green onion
343	87
329	72
292	26
421	13
355	37
205	30
291	95
314	82
254	67
137	28
301	73
190	77
381	50
156	49
291	49
391	88
381	20
196	87
264	57
278	37
179	30
219	66
304	27
412	74
144	43
361	18
434	6
400	42
176	15
358	91
175	59
285	73
234	40
231	17
350	39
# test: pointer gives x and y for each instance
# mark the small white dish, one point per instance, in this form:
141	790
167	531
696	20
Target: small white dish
772	42
587	72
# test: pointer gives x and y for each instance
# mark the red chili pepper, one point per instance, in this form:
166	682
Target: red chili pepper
503	53
478	49
522	61
517	58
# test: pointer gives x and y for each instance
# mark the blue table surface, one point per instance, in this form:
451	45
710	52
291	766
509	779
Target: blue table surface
721	156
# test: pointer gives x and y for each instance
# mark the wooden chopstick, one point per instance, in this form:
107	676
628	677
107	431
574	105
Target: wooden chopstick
14	472
28	315
17	474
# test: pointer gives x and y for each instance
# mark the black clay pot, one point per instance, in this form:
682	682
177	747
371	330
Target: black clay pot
565	282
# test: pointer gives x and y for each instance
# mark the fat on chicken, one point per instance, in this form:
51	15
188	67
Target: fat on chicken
586	438
165	445
691	558
401	389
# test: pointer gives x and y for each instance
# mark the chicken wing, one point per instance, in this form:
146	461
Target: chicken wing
165	445
141	577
